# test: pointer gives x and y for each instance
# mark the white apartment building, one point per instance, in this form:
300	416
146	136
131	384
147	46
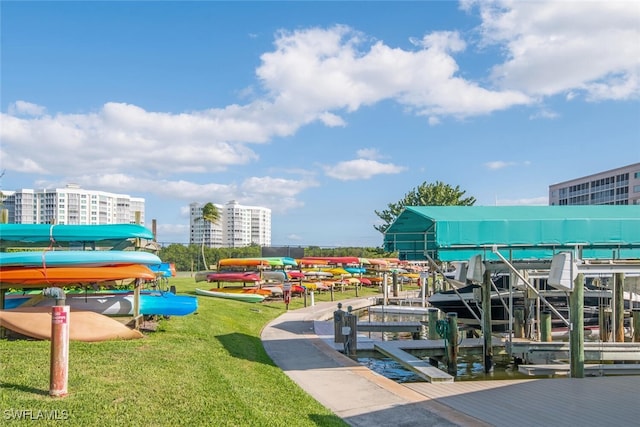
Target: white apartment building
72	205
620	186
239	226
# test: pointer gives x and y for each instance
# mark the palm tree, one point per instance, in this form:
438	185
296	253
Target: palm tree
210	214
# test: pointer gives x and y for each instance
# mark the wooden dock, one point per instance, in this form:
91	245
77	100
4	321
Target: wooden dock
533	352
399	309
413	327
421	368
590	370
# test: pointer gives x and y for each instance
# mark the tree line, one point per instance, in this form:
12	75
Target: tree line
189	257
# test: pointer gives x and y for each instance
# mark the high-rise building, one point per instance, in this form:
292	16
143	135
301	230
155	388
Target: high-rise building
619	186
72	205
238	226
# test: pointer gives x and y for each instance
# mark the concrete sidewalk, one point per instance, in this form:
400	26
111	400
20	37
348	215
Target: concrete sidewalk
353	392
362	397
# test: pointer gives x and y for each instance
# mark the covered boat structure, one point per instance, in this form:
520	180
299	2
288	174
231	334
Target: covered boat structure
517	239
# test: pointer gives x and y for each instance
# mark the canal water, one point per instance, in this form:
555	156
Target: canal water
470	367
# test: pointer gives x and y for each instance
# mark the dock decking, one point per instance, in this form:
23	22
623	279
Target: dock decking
421	368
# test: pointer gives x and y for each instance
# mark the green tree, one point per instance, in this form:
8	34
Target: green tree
211	215
435	194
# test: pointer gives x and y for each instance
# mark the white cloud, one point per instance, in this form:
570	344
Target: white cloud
553	47
531	201
361	169
498	164
318	75
368	153
544	114
315	70
23	108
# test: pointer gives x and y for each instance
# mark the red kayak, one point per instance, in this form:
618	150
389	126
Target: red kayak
245	277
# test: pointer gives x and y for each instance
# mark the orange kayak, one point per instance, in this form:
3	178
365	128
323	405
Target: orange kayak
41	277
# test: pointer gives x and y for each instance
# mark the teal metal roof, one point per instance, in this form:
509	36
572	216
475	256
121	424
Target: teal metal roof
455	233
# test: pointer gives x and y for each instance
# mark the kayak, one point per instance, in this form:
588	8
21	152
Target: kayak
76	258
238	296
245	277
39	277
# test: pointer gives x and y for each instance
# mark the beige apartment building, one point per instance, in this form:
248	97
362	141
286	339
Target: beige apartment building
620	186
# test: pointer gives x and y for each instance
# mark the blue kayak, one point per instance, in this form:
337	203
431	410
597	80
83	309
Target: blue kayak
79	258
40	233
116	303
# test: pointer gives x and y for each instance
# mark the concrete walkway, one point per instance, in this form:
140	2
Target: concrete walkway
364	398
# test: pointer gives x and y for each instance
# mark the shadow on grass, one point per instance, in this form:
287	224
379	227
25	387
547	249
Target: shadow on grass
23	388
327	420
246	347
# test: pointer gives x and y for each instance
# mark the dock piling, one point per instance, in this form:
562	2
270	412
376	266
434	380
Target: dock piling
452	347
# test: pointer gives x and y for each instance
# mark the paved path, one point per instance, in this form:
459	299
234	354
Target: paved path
364	398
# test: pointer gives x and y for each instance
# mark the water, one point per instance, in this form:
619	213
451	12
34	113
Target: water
469	367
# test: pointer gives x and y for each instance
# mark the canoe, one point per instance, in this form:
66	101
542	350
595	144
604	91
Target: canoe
278	276
333	260
39	277
232	295
257	261
295	274
243	277
86	326
317	273
250	290
242	262
152	303
41	233
76	258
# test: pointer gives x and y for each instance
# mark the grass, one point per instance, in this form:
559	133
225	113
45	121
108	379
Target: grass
207	368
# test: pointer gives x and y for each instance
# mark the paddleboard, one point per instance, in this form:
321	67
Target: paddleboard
232	295
76	258
86	326
39	277
37	233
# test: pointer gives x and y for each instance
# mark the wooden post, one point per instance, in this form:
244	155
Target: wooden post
136	304
635	313
452	348
618	298
545	326
352	323
486	322
154	228
434	282
385	289
432	333
59	368
338	323
576	333
604	323
3	332
518	318
394	280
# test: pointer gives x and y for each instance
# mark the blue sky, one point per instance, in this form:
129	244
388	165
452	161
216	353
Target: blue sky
322	111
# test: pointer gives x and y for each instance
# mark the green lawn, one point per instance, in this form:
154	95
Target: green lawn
207	368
